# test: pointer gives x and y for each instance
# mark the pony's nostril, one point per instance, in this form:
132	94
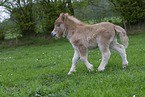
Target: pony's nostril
54	35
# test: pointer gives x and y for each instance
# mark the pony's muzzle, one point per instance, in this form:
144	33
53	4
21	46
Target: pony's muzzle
53	34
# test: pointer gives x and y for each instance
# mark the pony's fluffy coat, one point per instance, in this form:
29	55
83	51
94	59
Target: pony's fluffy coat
84	37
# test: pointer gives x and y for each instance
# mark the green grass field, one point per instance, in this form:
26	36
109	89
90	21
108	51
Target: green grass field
41	71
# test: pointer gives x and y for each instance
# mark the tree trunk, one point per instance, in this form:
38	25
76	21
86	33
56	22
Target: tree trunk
124	24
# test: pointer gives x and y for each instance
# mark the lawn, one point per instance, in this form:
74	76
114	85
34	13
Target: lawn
38	71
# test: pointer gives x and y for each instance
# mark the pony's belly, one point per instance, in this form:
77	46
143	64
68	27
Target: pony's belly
92	45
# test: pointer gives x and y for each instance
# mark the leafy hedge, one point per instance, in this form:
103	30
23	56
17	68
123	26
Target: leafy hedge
35	16
133	11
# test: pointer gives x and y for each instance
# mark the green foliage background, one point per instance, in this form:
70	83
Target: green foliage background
38	16
133	11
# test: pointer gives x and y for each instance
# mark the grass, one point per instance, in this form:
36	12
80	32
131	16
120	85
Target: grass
38	71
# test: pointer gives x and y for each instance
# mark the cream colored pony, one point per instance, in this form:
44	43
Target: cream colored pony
84	37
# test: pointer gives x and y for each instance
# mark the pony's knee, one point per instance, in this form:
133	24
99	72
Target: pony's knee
75	58
83	58
121	46
107	54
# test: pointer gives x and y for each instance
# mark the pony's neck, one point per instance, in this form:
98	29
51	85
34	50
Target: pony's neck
71	25
78	22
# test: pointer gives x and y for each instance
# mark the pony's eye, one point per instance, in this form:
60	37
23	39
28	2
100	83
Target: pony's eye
58	25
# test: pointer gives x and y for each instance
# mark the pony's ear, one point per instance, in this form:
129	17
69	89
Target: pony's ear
66	14
63	15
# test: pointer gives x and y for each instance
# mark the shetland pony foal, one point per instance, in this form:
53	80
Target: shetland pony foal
84	37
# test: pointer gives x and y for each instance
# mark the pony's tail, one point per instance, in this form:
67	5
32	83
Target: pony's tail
122	35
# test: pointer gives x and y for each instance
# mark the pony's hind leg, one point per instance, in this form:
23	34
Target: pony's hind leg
121	50
104	48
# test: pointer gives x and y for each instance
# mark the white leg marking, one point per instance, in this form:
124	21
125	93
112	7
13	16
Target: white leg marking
105	56
121	50
74	62
88	65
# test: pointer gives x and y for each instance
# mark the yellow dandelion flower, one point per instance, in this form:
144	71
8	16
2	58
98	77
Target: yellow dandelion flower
43	53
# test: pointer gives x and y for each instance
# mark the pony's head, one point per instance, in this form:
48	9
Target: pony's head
59	26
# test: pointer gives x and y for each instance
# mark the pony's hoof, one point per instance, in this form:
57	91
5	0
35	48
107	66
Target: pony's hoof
124	65
91	69
69	73
101	69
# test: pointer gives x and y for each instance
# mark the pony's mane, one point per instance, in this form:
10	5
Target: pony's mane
75	20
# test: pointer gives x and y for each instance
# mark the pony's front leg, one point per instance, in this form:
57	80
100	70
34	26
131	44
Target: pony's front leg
83	56
74	62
